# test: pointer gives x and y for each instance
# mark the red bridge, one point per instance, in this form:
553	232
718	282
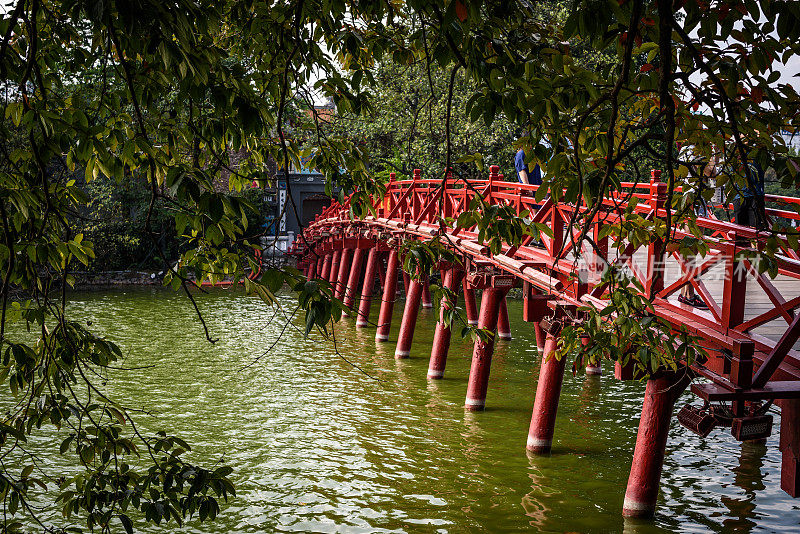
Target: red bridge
750	329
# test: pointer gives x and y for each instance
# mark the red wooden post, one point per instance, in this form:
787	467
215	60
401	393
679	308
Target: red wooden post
790	446
409	322
655	250
447	207
493	177
325	274
534	309
592	369
482	352
427	302
352	280
557	224
388	298
503	325
333	274
441	337
344	270
734	286
625	372
545	405
660	395
311	271
320	263
366	289
414	203
469	303
381	271
406	283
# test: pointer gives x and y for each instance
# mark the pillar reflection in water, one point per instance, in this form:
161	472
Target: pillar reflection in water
533	502
748	477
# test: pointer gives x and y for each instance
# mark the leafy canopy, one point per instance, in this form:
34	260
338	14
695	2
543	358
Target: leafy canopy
165	92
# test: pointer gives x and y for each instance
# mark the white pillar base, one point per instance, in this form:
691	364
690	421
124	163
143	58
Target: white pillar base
539	443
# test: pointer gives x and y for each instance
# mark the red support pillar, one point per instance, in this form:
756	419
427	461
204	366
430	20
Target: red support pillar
545	405
534	309
483	350
540	336
352	280
503	325
344	270
409	322
660	395
406	283
366	289
311	271
427	302
325	273
381	272
441	337
333	274
469	304
320	263
388	298
592	369
790	446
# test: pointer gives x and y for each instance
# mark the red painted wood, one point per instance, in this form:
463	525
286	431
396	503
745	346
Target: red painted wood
366	289
595	369
482	351
388	297
344	270
734	289
311	270
409	322
427	302
651	441
333	274
442	334
470	307
503	324
406	283
355	276
790	447
326	267
770	365
545	404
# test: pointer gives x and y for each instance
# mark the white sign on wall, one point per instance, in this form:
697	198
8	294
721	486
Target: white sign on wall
281	203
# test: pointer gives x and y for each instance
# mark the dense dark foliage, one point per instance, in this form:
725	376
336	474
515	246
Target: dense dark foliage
160	95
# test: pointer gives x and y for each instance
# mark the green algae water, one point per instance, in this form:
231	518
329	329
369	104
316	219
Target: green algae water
361	442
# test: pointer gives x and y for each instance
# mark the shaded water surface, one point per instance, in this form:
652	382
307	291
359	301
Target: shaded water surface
318	446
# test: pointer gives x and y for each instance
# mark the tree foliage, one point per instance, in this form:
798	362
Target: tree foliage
406	128
162	93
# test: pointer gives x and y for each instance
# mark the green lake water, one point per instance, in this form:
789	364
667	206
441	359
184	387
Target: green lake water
318	446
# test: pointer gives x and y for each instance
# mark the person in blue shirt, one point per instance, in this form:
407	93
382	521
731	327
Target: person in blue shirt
523	174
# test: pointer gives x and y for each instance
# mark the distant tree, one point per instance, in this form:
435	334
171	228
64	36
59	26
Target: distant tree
406	128
162	93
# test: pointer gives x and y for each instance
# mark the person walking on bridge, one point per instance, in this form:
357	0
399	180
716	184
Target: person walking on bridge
524	175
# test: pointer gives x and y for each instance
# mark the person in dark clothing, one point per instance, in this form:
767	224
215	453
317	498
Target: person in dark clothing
744	205
523	174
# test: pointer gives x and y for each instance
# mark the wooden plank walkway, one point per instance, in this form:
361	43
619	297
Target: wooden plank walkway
757	301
